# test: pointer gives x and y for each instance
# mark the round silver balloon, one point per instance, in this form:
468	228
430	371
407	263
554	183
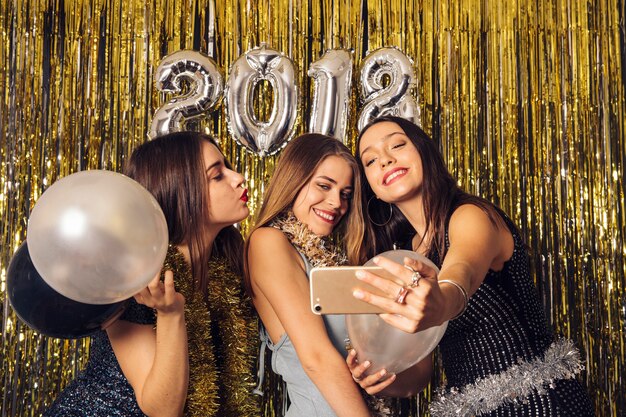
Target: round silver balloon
261	64
386	346
205	87
387	78
97	237
332	80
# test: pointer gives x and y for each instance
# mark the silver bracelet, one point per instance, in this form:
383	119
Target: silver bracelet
463	293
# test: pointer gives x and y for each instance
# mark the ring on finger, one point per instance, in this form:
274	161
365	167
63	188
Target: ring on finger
359	379
402	294
415	279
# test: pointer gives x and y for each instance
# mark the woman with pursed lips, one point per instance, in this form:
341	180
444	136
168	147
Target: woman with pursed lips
186	344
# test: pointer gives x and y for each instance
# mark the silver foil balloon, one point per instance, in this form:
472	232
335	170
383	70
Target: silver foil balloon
97	237
387	78
332	79
259	64
386	346
205	88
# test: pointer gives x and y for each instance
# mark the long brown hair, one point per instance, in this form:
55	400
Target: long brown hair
171	167
295	168
441	195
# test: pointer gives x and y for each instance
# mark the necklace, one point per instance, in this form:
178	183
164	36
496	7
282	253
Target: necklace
319	250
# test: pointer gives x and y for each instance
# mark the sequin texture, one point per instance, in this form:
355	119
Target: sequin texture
504	329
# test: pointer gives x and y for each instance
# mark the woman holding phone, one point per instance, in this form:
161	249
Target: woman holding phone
499	355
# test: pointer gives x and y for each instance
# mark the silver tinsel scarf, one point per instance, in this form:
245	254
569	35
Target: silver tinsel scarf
561	361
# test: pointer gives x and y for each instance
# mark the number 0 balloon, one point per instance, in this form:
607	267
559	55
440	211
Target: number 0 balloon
97	237
260	137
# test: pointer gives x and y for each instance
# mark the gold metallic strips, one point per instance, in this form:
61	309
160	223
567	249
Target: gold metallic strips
526	99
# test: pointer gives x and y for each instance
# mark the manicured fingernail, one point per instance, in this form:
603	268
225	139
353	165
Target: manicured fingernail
376	259
366	364
383	372
353	352
360	274
358	294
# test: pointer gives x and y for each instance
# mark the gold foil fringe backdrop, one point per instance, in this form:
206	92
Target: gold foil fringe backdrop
526	98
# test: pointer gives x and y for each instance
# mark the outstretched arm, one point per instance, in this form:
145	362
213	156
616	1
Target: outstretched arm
476	245
155	362
276	272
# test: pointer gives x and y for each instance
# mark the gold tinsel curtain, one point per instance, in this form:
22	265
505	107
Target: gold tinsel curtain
526	97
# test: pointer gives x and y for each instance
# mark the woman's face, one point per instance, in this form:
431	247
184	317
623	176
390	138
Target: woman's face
324	200
226	196
393	166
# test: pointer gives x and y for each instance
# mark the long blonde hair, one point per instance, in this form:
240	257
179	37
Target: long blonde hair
295	168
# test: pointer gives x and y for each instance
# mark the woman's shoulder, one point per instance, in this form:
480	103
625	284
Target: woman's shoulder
268	245
268	235
478	210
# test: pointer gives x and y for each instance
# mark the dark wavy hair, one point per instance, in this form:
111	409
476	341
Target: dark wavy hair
440	195
171	167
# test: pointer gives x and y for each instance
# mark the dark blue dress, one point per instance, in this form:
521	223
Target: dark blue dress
101	389
501	359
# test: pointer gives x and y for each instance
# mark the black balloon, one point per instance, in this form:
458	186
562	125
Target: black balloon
48	312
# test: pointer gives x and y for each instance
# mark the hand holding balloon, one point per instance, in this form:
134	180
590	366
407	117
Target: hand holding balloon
162	295
393	341
372	384
423	304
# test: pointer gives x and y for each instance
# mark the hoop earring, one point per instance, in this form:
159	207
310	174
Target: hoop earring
372	219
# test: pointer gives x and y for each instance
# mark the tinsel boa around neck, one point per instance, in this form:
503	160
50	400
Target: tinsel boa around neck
319	250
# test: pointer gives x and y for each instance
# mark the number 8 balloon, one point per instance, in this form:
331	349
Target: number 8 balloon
393	98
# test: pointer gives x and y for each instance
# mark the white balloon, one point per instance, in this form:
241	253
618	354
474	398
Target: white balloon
386	346
97	237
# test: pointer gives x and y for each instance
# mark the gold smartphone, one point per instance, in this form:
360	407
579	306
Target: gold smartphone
332	287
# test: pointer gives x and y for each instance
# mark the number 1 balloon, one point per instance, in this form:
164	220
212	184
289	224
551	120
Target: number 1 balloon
332	77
